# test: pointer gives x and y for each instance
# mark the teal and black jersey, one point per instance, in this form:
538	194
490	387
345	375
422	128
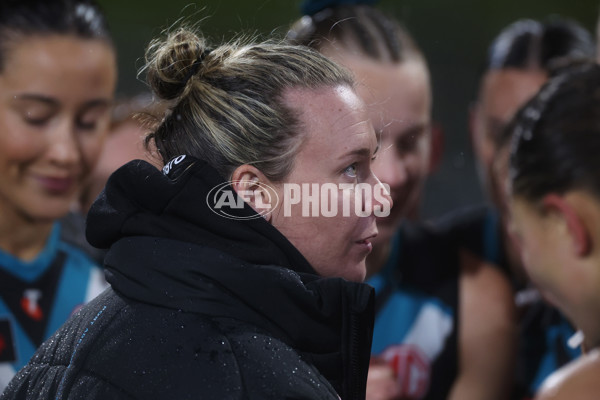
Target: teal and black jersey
37	297
417	312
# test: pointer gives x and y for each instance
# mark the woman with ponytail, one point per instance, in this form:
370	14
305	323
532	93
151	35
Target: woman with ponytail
555	209
224	283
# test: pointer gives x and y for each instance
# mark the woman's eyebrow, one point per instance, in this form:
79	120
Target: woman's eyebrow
361	152
415	129
36	97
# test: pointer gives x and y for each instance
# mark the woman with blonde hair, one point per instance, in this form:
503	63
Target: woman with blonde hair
226	278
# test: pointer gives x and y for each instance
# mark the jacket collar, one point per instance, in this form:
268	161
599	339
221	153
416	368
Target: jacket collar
169	249
140	200
327	320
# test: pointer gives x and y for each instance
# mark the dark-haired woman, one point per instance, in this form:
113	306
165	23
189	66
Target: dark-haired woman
556	212
519	61
226	267
57	77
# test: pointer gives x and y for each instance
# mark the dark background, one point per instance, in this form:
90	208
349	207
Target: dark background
454	36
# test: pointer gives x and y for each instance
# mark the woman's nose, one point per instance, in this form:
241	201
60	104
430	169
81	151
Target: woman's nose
63	147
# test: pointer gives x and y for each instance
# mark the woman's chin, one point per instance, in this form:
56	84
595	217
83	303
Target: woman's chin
52	211
356	272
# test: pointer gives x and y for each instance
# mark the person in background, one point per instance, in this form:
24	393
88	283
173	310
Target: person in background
57	78
444	324
554	189
519	61
215	298
124	142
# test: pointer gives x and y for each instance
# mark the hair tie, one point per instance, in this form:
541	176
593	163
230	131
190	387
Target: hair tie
194	68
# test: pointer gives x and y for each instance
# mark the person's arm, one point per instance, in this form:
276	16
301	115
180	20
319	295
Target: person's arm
381	381
487	333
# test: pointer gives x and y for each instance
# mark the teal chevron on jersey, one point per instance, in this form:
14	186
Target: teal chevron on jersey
38	296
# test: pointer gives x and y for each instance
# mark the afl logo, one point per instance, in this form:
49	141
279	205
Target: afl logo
226	202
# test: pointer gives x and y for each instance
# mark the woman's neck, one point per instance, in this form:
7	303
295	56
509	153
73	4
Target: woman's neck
591	341
23	237
585	318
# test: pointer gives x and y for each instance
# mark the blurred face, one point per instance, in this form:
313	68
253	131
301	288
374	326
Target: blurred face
55	97
543	250
398	98
339	144
500	190
503	92
499	179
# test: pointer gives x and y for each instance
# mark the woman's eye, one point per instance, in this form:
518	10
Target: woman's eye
351	171
35	119
91	117
408	144
86	125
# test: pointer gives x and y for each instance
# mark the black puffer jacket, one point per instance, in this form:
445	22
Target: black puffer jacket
201	307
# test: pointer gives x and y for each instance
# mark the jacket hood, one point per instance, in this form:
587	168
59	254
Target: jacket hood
140	200
167	248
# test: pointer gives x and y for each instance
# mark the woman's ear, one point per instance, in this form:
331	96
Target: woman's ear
251	185
577	229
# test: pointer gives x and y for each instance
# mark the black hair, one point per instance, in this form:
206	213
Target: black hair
556	136
24	18
528	44
552	45
376	34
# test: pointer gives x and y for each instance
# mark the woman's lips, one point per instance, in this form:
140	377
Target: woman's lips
366	244
56	185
